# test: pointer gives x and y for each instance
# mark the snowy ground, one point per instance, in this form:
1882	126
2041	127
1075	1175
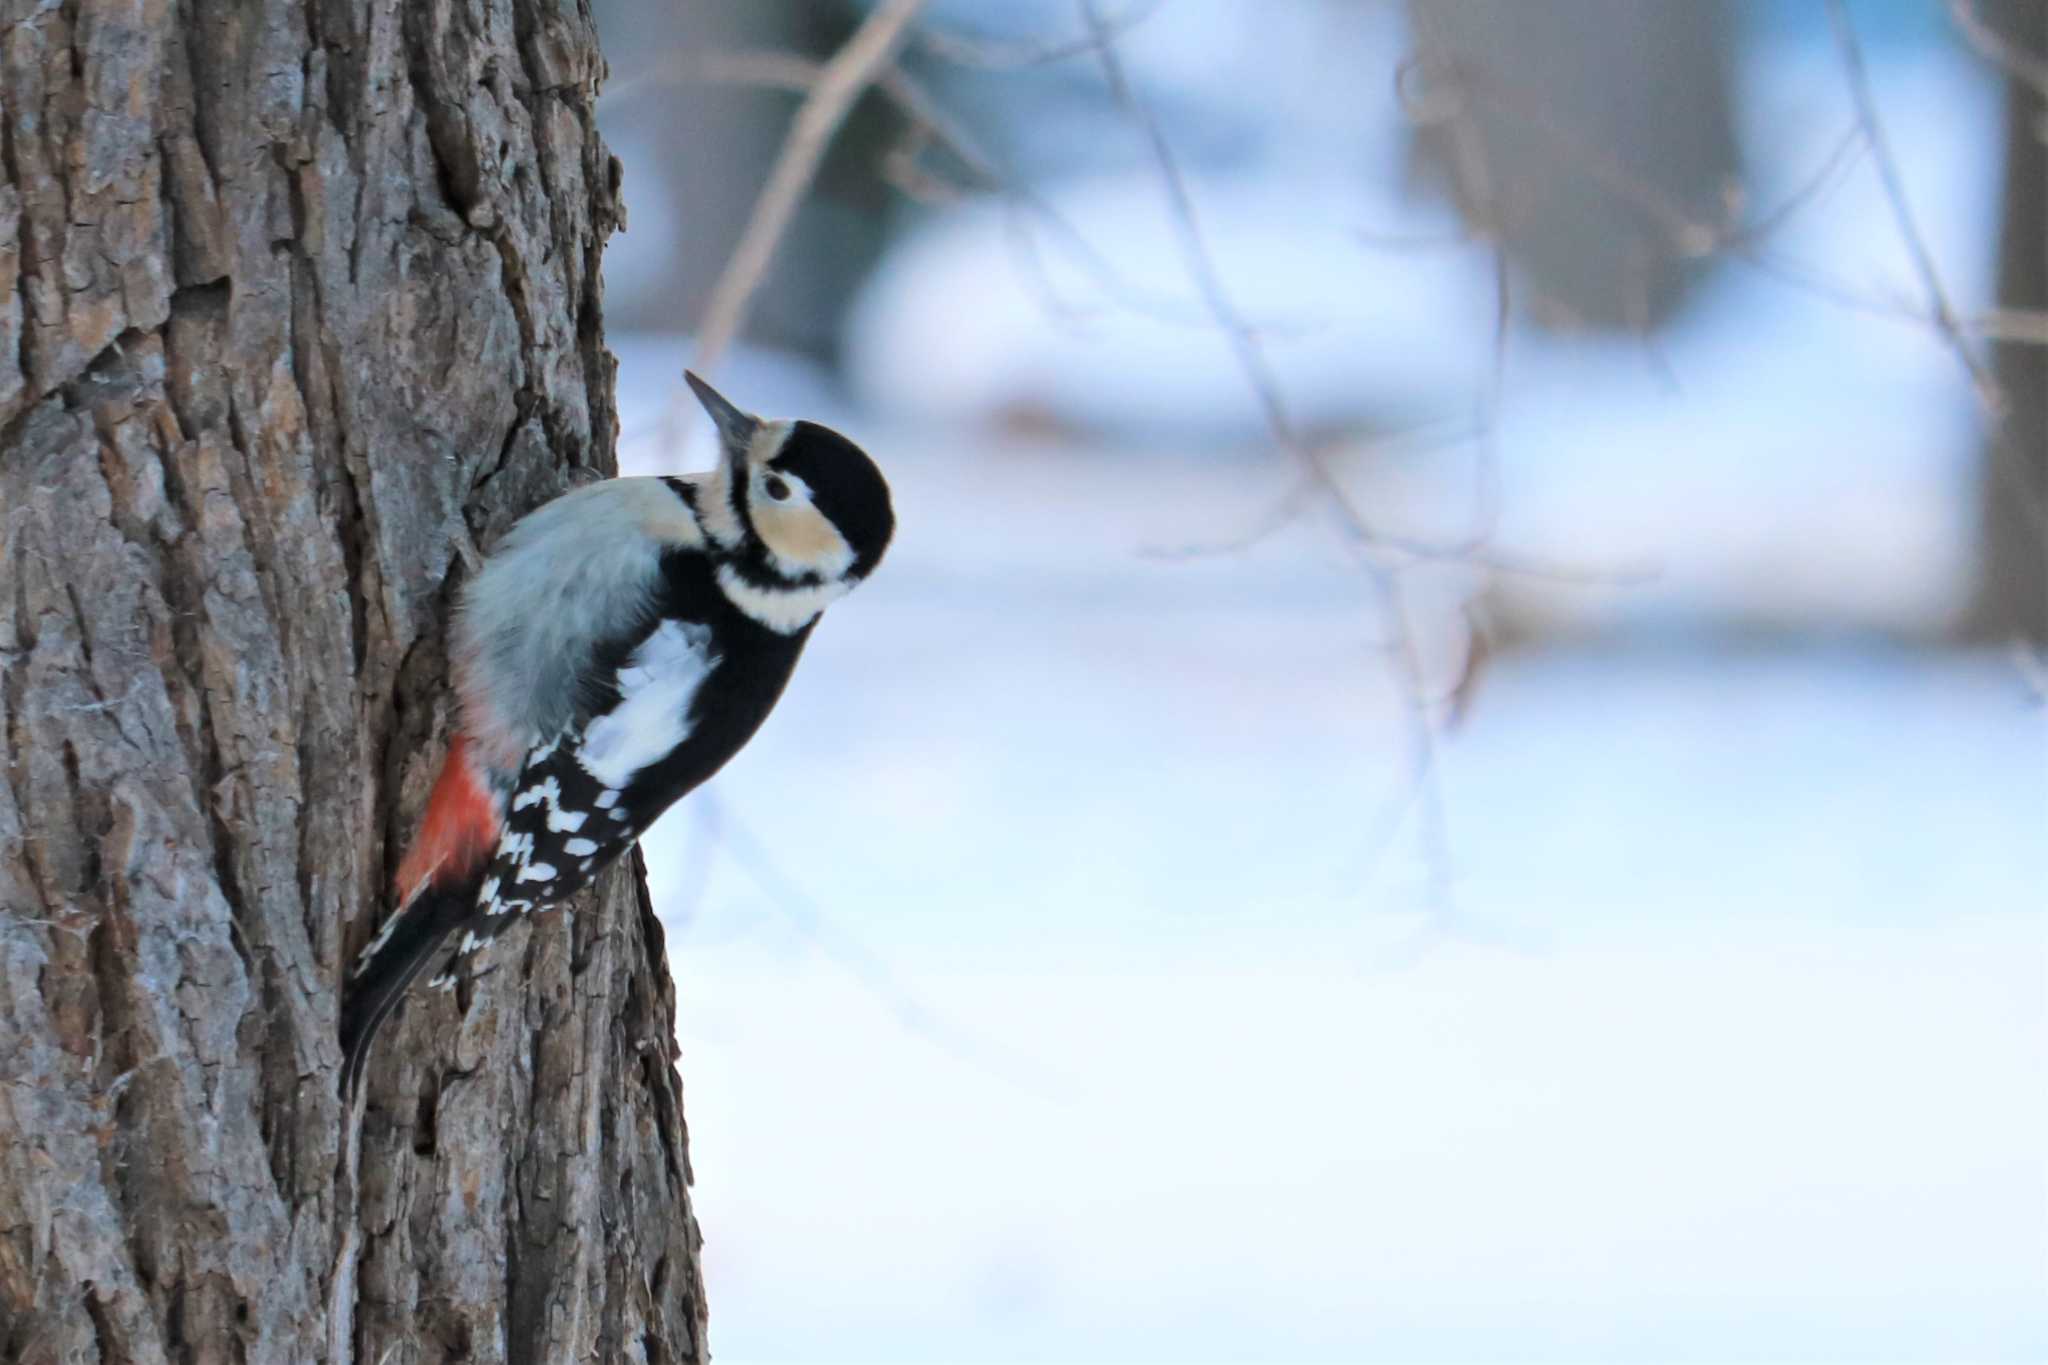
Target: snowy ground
1744	1057
1045	995
1049	991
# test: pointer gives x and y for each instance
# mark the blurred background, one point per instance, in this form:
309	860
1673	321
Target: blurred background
1450	762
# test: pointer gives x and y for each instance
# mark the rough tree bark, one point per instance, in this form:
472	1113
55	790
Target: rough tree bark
294	297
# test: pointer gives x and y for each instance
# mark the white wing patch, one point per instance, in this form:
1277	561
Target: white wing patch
656	688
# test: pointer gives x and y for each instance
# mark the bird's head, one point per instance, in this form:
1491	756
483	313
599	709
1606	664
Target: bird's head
794	503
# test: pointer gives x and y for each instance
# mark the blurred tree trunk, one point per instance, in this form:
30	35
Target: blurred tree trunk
702	187
289	293
1595	125
2012	581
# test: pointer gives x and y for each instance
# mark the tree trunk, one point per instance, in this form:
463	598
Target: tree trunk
294	298
2011	599
1595	123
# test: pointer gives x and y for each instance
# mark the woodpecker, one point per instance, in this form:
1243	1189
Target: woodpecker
620	644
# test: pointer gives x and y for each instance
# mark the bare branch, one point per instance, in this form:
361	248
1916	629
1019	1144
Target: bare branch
1424	761
765	70
1944	315
2020	326
864	964
929	125
1831	169
1690	237
839	84
929	120
1413	241
1475	172
993	55
1259	375
1201	267
2028	68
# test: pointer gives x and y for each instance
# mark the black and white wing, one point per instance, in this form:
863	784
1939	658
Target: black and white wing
582	798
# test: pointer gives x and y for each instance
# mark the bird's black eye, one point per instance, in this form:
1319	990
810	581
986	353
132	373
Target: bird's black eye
776	487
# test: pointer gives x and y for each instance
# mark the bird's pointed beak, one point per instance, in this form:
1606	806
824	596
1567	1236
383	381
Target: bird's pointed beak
735	428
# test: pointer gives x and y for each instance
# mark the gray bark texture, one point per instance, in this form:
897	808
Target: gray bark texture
295	298
2012	579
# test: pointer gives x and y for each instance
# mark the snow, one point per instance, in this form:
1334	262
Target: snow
1047	994
1050	990
1102	1049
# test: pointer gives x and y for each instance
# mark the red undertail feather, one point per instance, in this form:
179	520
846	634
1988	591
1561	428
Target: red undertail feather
459	830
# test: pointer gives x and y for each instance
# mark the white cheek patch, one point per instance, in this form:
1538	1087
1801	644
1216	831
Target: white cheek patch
801	539
787	610
653	714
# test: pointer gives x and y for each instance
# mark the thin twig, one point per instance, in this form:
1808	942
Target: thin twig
1837	161
2004	470
838	86
1413	241
928	124
766	70
1201	267
928	119
2020	326
1475	172
865	965
1944	315
993	55
2028	68
1424	758
1259	375
1689	237
685	902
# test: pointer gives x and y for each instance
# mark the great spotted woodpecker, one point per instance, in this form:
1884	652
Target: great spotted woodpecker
614	651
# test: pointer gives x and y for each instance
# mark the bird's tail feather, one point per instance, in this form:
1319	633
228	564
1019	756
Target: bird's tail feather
437	885
407	945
